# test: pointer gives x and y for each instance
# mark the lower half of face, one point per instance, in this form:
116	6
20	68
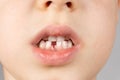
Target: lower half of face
56	42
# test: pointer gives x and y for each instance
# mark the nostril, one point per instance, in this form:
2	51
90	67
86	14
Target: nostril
48	3
69	4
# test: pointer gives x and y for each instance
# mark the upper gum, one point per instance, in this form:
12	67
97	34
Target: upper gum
65	38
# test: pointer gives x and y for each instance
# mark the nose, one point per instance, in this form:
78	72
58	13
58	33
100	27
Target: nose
56	4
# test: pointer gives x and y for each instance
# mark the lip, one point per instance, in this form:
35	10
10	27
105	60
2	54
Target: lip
55	57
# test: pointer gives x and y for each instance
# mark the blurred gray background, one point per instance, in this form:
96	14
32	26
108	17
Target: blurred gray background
111	70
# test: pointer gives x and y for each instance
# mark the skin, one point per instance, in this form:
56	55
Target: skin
20	20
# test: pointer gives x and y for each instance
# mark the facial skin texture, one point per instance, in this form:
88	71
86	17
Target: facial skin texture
20	20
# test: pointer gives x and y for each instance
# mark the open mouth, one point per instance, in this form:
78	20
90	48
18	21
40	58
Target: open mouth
55	45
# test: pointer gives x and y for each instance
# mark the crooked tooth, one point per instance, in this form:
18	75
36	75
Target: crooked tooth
69	44
64	44
52	38
48	45
59	41
58	45
42	44
60	38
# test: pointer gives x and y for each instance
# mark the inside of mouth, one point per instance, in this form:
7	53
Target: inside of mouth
55	43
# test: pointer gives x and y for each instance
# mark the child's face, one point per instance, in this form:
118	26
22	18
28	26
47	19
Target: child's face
92	25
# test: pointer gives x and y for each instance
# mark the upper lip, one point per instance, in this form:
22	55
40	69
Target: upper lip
56	30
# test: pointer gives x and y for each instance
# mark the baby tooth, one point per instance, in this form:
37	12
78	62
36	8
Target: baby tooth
42	45
59	38
48	45
69	44
58	45
52	38
65	44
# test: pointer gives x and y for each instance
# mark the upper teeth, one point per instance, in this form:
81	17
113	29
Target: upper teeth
51	38
60	43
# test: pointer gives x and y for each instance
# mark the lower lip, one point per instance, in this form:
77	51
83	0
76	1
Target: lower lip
55	57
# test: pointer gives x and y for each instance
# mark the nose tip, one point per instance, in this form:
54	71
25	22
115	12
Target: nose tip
58	4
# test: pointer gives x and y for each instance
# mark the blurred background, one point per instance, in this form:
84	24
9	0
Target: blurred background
111	70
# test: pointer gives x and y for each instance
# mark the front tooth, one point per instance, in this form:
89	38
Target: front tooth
58	45
48	44
65	44
42	44
60	38
52	38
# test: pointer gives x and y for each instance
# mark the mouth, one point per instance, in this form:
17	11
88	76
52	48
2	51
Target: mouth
55	45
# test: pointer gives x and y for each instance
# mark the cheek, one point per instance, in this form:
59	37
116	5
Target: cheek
98	25
7	43
97	30
11	34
